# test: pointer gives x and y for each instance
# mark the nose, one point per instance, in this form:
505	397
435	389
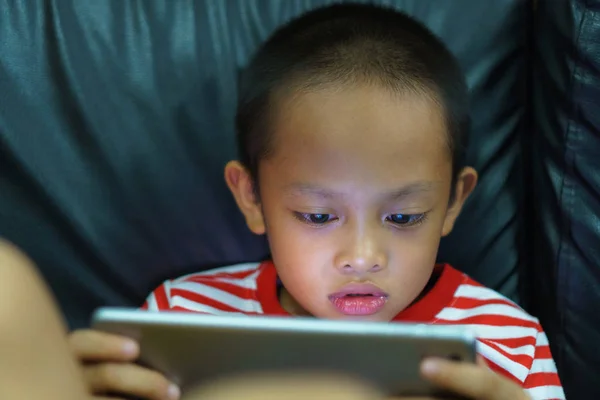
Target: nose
363	253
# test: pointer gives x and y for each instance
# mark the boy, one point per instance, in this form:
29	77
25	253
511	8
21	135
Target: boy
352	123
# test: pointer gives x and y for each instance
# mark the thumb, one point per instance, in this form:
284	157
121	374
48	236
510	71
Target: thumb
470	380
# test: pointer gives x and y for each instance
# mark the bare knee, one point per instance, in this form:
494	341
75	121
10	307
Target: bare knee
310	385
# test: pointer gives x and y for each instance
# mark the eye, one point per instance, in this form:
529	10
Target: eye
315	219
318	218
406	220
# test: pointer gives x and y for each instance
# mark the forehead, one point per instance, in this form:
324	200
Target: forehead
364	133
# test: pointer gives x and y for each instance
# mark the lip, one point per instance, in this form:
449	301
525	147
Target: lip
359	288
373	301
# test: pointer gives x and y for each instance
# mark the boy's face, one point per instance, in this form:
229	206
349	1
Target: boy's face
354	200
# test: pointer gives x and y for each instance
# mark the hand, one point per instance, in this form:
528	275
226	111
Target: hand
109	370
475	382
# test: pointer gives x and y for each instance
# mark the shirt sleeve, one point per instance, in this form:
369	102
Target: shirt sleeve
542	382
159	299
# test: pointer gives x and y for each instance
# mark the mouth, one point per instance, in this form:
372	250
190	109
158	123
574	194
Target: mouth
359	299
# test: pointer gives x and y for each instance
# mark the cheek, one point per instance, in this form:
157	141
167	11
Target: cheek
416	252
303	256
297	248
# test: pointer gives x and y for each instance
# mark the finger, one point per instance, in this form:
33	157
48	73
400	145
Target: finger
129	380
90	345
471	380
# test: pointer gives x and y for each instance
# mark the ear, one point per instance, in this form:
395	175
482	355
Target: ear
466	182
240	184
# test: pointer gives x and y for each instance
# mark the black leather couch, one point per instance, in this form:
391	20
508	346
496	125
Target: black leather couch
116	119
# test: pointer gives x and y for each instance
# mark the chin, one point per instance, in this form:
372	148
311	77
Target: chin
377	317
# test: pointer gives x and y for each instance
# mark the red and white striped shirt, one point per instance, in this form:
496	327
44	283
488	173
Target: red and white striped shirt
512	342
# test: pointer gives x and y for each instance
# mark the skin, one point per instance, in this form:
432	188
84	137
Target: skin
369	164
35	362
357	157
473	382
278	386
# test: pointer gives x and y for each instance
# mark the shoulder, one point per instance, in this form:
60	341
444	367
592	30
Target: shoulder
474	303
230	289
236	272
469	302
507	335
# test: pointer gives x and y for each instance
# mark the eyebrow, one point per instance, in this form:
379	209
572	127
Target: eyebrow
306	189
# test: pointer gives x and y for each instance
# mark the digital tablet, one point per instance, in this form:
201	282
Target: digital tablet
193	348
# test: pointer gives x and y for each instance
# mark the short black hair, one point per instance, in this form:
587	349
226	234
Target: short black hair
349	44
